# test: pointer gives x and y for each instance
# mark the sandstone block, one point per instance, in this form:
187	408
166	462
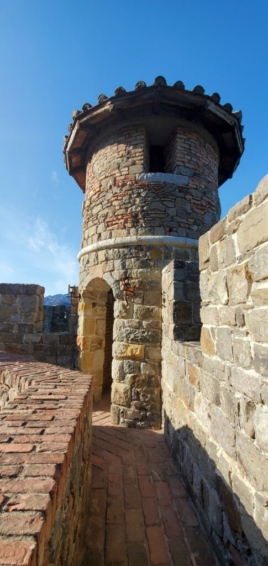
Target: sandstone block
242	352
261	191
217	231
121	394
246	382
261	515
207	341
261	427
258	264
238	282
204	251
224	344
257	324
222	430
240	208
253	230
259	294
243	490
253	462
213	288
260	359
122	350
227	316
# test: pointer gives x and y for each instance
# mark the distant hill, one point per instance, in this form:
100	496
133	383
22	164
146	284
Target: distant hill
53	300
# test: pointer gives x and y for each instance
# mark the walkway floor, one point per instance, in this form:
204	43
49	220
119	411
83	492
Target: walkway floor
140	515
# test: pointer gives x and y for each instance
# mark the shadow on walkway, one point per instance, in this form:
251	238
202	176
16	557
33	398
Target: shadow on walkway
140	514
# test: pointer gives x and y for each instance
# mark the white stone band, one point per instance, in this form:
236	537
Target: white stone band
174	241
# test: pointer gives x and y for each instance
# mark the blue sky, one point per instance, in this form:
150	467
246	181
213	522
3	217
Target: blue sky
57	54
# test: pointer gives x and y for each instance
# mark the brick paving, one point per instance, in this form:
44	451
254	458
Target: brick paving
140	514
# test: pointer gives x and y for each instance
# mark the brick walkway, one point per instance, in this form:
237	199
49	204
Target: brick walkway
140	513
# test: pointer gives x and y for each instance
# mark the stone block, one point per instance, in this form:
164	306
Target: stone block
261	515
226	251
259	294
224	343
240	208
214	261
257	324
261	427
242	352
122	350
229	505
210	315
207	341
222	430
246	382
258	263
243	490
239	284
217	231
260	359
253	462
253	230
209	387
28	303
144	313
227	316
213	288
204	251
121	394
261	191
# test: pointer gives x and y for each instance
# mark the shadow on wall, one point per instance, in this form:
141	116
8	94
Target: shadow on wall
221	512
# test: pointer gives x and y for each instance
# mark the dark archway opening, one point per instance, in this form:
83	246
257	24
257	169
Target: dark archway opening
108	356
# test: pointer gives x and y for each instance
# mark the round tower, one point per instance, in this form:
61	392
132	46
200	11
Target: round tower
150	162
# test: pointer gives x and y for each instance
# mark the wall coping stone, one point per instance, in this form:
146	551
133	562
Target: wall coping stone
174	241
172	178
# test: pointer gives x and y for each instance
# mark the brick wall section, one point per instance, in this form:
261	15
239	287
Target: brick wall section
21	327
120	202
45	471
215	394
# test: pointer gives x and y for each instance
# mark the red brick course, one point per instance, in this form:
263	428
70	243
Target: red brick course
44	466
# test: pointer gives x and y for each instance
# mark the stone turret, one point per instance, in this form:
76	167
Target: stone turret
150	162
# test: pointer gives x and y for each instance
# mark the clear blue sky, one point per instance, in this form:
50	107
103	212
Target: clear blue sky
57	54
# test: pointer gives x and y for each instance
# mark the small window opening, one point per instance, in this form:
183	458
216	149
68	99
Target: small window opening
157	159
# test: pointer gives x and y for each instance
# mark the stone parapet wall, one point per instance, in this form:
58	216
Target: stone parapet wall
215	401
45	466
21	326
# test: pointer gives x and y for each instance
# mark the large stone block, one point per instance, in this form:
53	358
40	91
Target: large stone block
207	341
257	324
121	394
261	427
122	350
258	264
253	230
253	462
242	352
224	344
213	287
261	191
239	283
222	430
246	382
259	294
260	359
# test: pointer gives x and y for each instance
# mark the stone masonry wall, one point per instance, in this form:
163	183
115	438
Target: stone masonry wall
215	398
21	327
45	464
123	198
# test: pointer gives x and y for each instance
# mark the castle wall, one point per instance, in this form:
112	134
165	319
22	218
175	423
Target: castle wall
45	463
21	326
215	401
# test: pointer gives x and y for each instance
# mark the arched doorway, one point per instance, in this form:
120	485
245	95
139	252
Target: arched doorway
95	334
